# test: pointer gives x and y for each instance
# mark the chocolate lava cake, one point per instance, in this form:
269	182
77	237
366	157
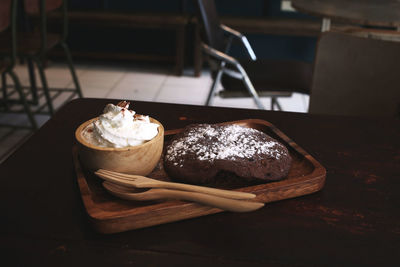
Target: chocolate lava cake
202	151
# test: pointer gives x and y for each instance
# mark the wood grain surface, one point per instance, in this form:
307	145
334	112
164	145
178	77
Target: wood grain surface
352	221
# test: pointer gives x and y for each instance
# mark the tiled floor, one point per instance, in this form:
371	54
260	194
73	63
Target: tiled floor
148	83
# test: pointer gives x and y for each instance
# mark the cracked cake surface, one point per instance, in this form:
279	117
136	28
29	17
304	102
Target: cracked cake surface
201	151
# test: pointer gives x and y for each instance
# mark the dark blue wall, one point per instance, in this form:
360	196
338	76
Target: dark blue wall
148	41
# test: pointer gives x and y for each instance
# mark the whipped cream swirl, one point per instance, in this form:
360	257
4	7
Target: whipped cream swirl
120	127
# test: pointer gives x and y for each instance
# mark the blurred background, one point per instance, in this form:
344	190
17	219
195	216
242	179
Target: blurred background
152	51
148	51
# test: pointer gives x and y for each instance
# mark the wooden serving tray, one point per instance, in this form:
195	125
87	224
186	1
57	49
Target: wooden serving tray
111	215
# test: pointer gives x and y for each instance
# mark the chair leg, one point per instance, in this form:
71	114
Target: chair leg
213	88
275	102
32	82
250	87
44	84
4	89
72	69
272	102
18	87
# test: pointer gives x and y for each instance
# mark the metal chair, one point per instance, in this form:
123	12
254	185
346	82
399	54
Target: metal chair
355	76
35	45
8	9
255	78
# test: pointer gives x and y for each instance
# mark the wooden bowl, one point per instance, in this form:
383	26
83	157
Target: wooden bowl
140	159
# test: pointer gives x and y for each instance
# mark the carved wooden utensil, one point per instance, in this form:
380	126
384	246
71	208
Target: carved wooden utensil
138	181
159	194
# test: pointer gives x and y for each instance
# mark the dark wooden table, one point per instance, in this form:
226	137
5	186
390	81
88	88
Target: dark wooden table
353	221
384	13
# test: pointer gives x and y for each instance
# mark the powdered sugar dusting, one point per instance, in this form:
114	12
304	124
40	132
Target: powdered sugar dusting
228	142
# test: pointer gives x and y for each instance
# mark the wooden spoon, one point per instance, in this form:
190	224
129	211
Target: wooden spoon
139	181
159	194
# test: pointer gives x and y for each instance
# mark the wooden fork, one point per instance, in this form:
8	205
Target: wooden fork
159	194
139	181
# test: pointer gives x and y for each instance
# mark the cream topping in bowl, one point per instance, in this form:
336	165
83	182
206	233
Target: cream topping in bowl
120	127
